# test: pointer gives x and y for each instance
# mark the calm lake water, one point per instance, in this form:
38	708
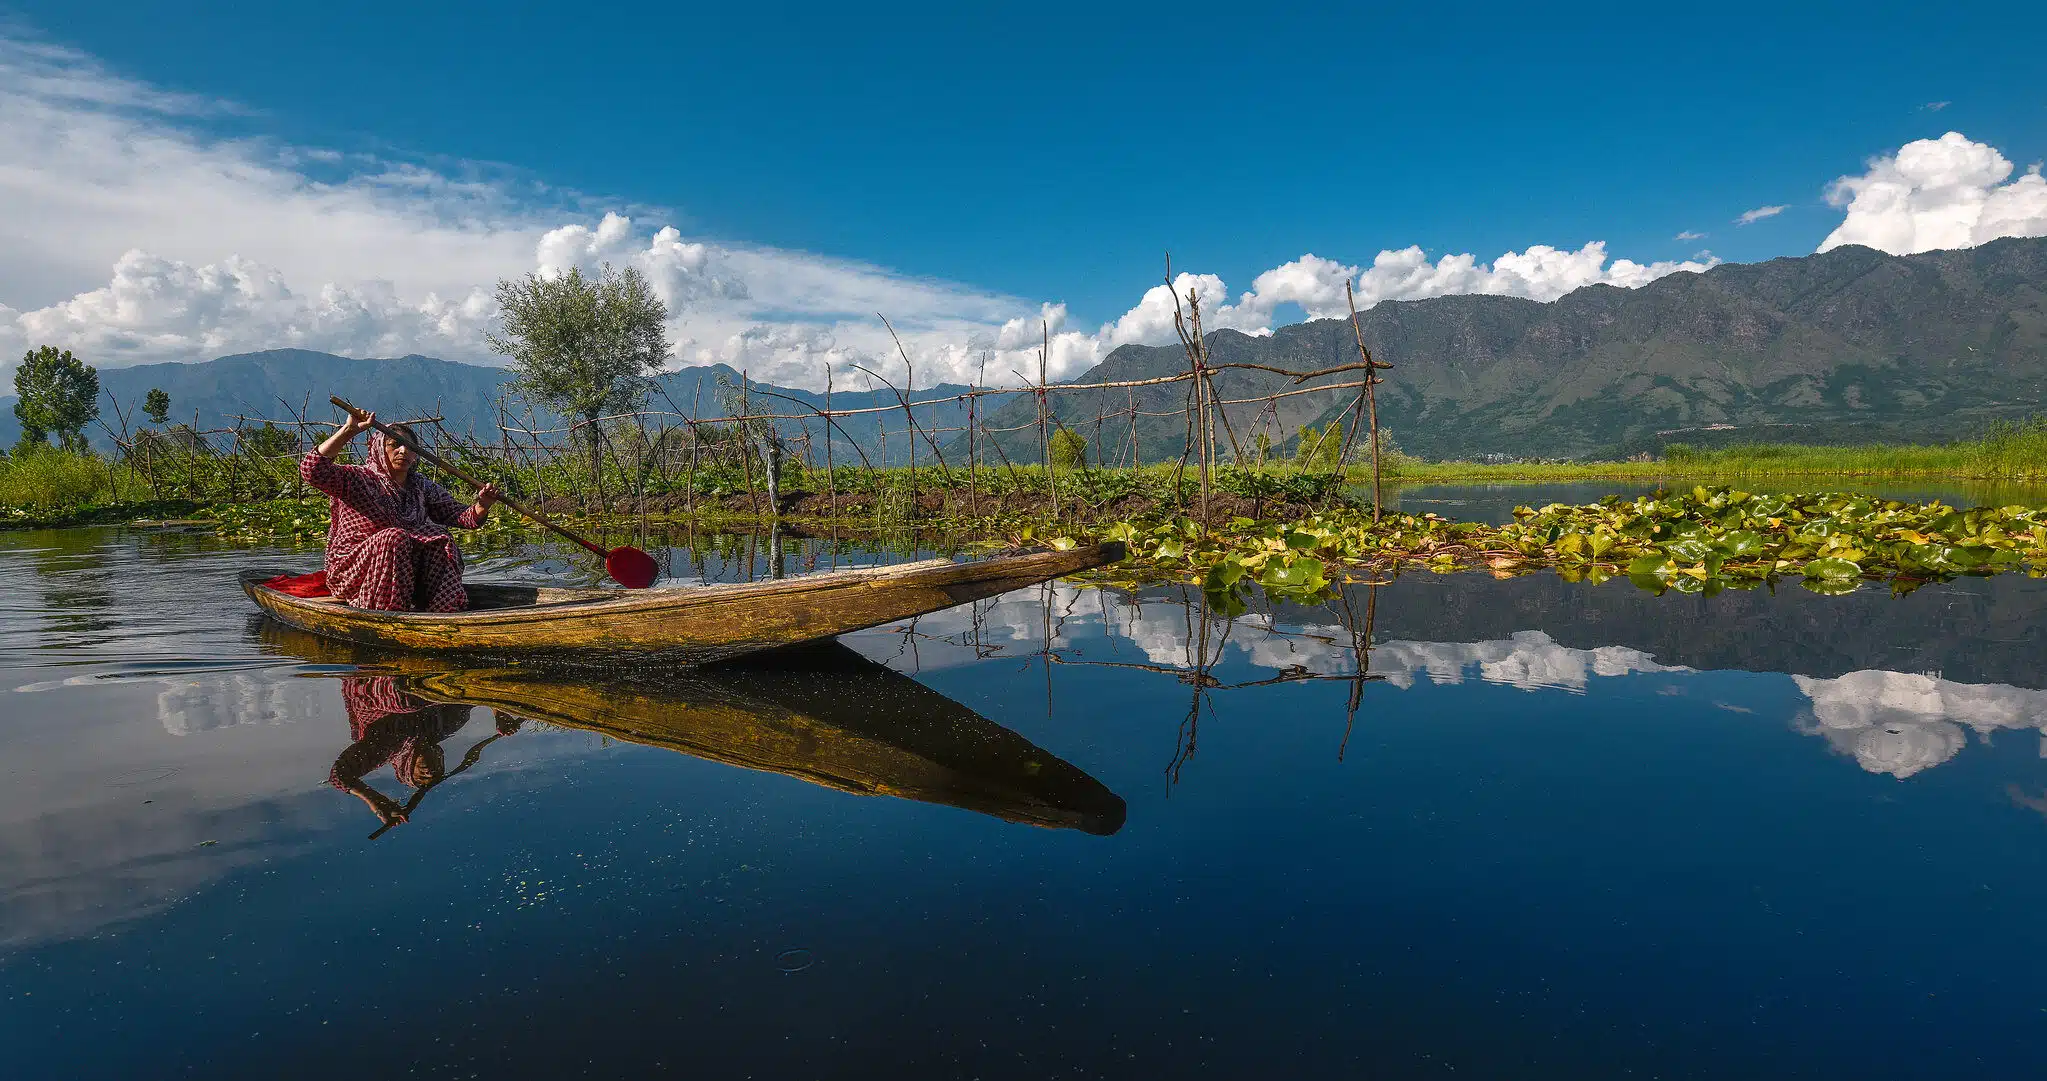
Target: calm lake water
1558	831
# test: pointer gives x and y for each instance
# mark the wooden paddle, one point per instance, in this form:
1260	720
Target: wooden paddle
628	566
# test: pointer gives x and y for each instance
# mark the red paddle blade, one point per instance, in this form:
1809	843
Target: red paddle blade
631	567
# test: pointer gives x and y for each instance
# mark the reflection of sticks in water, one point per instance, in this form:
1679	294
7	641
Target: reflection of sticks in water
1045	596
1184	675
1203	655
1183	748
1361	653
1198	655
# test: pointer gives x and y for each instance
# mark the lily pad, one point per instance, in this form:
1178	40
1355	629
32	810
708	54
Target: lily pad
1648	564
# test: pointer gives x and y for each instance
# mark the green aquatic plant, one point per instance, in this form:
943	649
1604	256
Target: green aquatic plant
275	521
1699	541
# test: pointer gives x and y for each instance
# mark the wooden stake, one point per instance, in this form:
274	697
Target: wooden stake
1371	397
696	441
1044	410
831	483
745	441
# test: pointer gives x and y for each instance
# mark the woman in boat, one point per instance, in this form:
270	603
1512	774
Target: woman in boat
388	546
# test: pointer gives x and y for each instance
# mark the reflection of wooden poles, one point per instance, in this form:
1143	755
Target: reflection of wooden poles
1361	649
1197	657
1371	397
1045	595
1198	677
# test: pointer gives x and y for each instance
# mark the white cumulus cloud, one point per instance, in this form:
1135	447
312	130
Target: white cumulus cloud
157	307
1950	192
1538	273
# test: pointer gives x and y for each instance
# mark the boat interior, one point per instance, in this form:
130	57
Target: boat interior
486	596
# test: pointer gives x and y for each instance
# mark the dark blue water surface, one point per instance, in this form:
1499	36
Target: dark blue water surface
1560	832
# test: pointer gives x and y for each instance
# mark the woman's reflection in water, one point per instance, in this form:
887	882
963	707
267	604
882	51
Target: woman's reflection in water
392	726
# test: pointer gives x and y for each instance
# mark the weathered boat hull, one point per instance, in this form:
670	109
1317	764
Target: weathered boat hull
693	624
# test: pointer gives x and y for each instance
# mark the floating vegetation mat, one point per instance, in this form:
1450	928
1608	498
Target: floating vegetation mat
1701	541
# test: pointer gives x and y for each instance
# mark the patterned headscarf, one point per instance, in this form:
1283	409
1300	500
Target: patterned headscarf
410	498
378	461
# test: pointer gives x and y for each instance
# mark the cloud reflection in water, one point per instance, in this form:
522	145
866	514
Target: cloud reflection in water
1898	723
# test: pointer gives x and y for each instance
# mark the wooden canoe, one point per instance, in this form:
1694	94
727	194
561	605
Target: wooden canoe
827	716
686	624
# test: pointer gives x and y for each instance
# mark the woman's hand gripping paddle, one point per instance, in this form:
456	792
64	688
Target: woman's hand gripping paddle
628	566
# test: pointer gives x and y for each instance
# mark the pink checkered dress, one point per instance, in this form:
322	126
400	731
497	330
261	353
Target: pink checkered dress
388	547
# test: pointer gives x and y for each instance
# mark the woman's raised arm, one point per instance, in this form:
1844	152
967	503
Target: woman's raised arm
318	468
355	425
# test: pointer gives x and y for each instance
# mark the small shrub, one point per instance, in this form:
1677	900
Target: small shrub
1319	449
1069	450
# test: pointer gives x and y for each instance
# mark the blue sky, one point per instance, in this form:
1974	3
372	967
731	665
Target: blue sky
1053	152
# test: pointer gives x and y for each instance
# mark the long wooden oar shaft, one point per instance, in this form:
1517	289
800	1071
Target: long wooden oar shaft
442	463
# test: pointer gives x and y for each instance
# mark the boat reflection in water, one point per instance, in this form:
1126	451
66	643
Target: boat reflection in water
828	716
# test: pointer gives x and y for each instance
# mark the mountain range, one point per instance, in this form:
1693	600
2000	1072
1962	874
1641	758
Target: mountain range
1850	345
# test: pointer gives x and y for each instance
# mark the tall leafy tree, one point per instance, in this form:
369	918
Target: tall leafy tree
583	346
58	394
157	406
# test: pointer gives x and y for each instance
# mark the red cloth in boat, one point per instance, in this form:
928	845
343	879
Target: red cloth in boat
388	546
300	585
